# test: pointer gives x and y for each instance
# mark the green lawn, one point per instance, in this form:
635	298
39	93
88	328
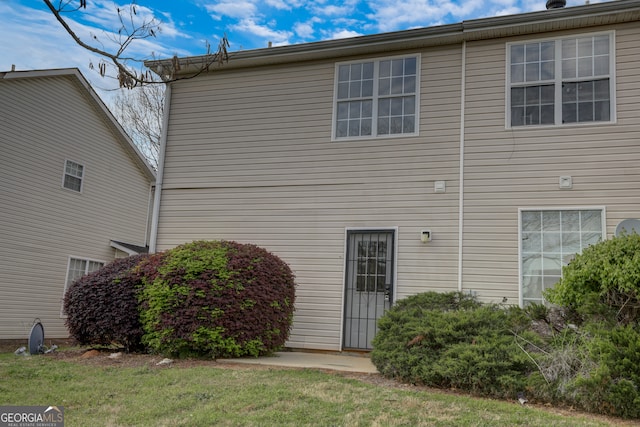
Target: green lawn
208	394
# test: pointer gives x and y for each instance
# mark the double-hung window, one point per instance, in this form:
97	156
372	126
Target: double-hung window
549	240
377	98
562	81
73	174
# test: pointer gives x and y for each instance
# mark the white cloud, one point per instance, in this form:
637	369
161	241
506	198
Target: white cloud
231	9
344	34
277	37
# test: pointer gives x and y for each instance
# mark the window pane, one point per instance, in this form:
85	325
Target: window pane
547	51
601	111
517	116
547	114
408	124
384	107
517	96
517	73
547	70
343	73
517	53
410	66
367	88
585	67
397	85
367	70
396	125
409	105
396	106
569	68
383	126
585	91
385	68
601	45
532	72
531	221
531	286
585	47
409	84
585	112
591	221
384	87
568	48
601	66
532	52
531	242
343	110
569	113
397	67
551	220
343	90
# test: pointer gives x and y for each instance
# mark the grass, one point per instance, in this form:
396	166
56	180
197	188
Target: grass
210	394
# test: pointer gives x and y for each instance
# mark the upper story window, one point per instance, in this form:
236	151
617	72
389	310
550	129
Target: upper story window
376	98
562	81
73	173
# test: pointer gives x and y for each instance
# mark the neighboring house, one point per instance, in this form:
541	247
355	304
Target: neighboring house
475	157
75	193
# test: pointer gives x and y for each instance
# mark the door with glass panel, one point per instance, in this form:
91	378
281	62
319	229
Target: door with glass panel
550	240
368	285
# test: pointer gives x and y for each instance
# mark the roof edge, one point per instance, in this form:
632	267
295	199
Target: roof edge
75	72
476	29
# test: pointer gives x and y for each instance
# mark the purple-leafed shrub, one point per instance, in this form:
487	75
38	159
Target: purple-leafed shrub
102	307
217	299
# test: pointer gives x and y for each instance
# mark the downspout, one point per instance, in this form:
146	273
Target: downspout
155	217
461	167
149	211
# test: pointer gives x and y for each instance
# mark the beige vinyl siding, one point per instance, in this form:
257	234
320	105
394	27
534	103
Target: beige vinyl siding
250	158
507	169
45	121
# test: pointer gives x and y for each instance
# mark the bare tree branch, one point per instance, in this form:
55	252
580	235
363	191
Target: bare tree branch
129	32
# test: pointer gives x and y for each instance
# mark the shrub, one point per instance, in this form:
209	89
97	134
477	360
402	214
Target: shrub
102	307
612	385
451	340
603	281
217	299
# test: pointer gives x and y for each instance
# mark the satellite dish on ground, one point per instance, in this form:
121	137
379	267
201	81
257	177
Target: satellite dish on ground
36	338
628	226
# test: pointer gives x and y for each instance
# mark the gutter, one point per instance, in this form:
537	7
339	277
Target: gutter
155	216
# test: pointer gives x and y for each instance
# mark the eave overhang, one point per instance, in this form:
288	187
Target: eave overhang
612	12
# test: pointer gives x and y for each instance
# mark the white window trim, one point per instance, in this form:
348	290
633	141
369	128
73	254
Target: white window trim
66	277
603	225
64	174
558	72
375	98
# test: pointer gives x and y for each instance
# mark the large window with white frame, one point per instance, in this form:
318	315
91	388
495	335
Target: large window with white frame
549	240
561	81
78	267
377	98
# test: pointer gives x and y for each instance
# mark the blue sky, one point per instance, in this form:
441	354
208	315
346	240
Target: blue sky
32	39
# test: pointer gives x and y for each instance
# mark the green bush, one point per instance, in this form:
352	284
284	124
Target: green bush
603	281
216	299
612	384
102	307
453	341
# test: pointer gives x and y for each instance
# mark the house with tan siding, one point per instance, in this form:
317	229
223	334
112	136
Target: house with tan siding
477	157
75	193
